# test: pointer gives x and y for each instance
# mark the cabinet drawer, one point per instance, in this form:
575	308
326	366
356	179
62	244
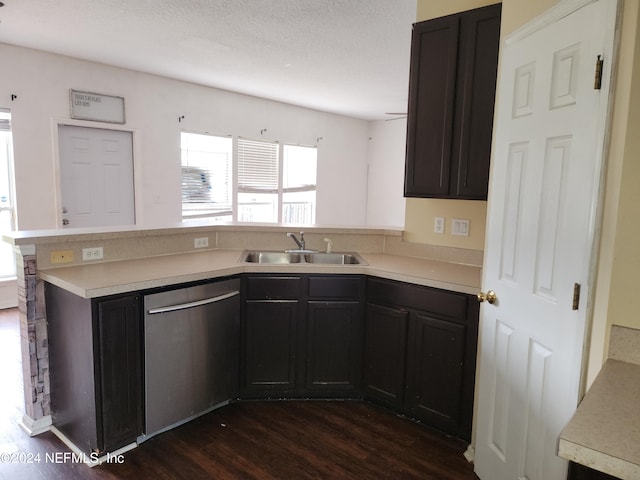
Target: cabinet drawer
335	287
272	288
442	303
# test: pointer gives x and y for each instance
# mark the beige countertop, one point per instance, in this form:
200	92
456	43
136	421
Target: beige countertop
604	433
107	278
203	226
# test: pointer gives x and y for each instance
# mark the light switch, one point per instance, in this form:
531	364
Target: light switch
460	227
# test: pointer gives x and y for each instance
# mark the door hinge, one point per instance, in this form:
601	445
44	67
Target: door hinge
597	81
576	296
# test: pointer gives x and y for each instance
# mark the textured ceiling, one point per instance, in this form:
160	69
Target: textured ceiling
343	56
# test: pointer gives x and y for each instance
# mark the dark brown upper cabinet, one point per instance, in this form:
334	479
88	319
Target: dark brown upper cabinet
452	88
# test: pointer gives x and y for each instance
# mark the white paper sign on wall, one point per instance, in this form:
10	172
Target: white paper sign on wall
96	107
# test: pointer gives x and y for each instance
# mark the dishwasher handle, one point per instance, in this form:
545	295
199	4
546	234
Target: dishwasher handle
198	303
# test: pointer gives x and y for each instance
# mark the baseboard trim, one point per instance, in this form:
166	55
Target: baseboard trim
93	459
470	454
35	427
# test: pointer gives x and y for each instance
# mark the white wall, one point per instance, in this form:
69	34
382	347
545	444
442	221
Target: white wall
41	82
386	203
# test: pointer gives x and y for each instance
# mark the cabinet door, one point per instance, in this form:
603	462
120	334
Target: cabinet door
222	350
434	47
476	84
435	371
270	330
119	369
334	348
384	355
452	84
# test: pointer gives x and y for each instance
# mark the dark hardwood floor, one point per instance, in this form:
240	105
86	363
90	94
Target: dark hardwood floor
248	440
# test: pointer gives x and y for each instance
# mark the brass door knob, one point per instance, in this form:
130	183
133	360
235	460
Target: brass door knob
490	297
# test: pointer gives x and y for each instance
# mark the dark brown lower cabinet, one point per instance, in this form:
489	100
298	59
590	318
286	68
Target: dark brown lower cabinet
385	352
420	353
413	350
334	349
269	353
119	339
95	352
301	336
435	359
580	472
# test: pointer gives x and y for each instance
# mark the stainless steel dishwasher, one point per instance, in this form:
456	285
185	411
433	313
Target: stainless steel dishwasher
191	352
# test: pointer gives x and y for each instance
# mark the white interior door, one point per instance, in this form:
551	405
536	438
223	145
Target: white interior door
96	176
545	178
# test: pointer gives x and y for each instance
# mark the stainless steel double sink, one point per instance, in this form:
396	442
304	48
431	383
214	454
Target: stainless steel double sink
303	257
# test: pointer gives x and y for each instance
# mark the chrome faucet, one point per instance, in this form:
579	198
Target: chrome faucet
300	242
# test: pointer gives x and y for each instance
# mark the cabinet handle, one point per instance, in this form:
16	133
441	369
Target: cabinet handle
182	306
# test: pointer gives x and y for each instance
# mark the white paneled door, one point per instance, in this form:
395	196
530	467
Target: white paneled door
545	181
96	177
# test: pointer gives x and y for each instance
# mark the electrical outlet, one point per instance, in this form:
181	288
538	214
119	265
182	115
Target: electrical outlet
460	227
438	225
201	242
93	253
61	256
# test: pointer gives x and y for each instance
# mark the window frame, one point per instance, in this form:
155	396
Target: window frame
5	128
231	178
303	188
279	192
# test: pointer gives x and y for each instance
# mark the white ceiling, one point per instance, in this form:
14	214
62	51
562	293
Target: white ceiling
349	57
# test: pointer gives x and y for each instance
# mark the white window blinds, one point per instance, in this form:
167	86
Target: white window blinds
257	166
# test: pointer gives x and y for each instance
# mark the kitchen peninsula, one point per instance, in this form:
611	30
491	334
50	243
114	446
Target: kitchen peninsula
139	261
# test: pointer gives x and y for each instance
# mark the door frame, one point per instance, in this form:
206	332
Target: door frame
605	121
56	123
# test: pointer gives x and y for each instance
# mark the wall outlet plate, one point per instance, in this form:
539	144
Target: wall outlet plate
93	253
438	225
201	242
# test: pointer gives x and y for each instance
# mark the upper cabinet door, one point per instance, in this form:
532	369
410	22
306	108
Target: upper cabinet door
432	81
451	99
479	44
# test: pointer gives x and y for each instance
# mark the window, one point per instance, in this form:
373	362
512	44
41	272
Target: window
299	184
206	176
276	184
258	179
273	183
7	213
